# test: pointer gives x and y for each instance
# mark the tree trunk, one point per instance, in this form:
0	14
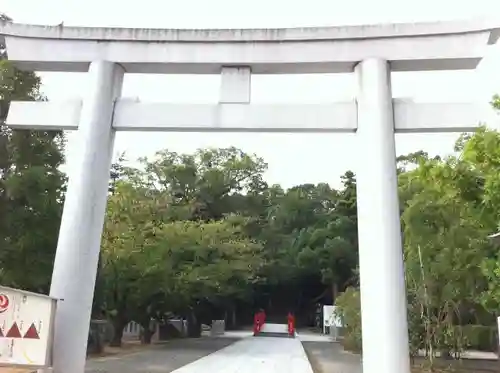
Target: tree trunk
97	312
118	326
98	339
193	325
335	292
147	335
230	317
299	300
233	317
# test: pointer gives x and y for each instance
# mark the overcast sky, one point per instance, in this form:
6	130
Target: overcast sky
294	158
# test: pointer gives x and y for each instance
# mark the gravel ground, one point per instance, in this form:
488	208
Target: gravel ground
163	358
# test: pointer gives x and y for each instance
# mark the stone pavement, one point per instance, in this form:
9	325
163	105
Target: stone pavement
237	352
255	354
163	358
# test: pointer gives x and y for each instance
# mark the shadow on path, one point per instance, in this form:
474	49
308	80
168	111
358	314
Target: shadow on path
163	358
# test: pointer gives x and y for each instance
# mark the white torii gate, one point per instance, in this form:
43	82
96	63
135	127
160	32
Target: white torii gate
371	52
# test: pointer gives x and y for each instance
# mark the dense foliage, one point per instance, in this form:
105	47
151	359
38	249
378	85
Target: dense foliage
31	188
450	207
203	236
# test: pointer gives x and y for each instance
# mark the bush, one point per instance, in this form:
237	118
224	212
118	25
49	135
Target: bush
446	337
349	311
480	337
416	328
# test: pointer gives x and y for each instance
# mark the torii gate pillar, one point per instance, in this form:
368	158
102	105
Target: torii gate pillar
75	266
379	229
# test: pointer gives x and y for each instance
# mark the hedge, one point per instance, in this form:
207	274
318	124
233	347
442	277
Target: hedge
472	337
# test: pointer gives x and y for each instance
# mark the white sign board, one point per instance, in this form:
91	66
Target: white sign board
330	318
498	322
26	328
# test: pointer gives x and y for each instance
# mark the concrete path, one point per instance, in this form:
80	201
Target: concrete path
163	358
255	355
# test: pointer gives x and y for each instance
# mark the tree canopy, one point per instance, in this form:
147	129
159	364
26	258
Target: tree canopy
31	188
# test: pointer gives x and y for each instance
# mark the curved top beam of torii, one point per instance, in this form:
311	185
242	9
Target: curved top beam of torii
409	47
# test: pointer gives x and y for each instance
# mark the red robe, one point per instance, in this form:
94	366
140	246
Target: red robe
291	324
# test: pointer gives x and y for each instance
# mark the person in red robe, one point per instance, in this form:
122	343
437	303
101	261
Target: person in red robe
291	324
258	321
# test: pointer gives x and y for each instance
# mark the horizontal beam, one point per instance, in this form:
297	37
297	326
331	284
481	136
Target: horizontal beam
133	115
137	116
353	32
44	115
418	53
409	47
415	117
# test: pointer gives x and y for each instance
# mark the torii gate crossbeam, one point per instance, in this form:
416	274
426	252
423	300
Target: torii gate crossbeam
371	52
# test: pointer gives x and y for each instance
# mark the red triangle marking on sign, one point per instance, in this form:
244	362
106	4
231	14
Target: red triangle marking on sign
14	332
32	333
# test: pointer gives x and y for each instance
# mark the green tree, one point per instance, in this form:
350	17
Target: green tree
449	206
496	102
31	188
213	262
481	153
134	271
152	267
444	247
206	185
312	238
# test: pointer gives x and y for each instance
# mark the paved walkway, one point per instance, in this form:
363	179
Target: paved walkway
255	355
234	352
163	358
